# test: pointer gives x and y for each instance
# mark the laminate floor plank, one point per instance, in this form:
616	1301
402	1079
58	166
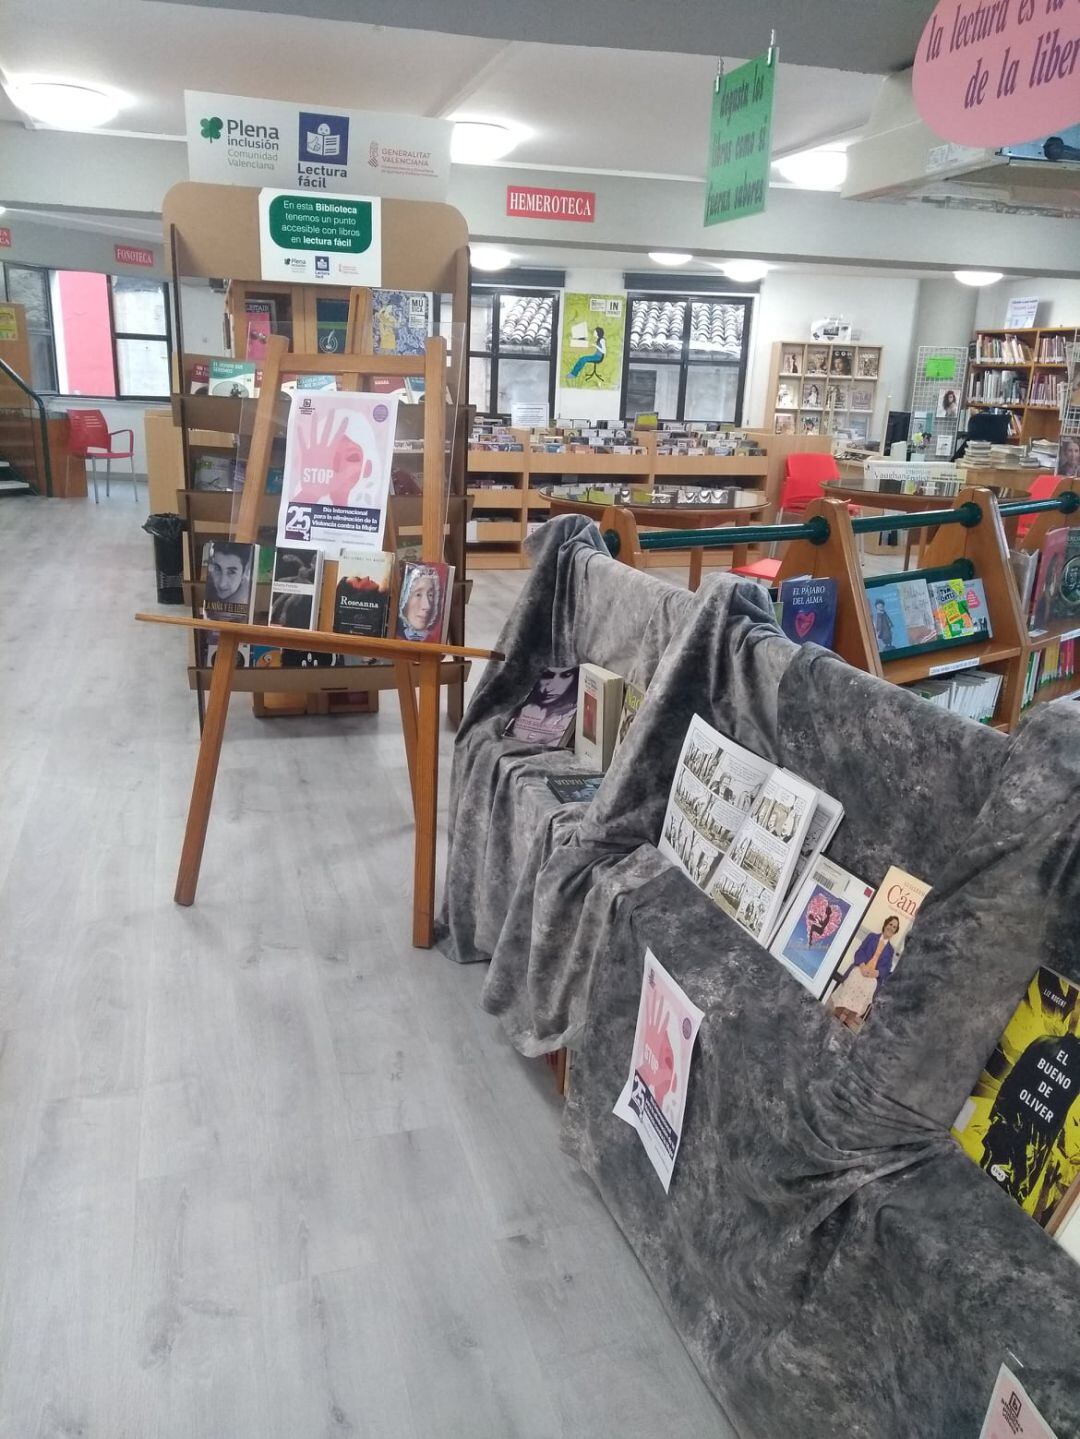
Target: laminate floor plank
266	1171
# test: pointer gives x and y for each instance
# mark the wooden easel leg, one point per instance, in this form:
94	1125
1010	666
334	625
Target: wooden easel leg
427	804
202	790
407	701
695	567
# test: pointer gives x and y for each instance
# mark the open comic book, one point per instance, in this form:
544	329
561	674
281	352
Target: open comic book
743	829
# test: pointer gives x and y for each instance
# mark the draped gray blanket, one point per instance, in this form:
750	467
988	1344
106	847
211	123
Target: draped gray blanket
832	1260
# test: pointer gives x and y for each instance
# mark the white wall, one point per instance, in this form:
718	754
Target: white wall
588	404
1059	300
881	312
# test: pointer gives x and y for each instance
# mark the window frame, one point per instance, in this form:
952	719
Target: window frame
684	359
116	335
8	266
522	291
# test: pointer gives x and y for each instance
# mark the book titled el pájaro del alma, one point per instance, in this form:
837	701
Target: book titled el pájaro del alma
808	610
1021	1123
362	597
877	946
546	717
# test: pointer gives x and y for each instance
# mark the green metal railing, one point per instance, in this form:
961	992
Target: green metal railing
816	530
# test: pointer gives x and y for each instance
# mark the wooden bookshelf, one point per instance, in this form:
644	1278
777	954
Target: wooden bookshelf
1038	357
813	387
1058	629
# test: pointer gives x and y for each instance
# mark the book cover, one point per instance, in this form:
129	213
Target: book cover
230	569
233	378
339	449
632	700
1011	1414
808	613
1048	579
546	717
257	338
978	609
212	473
877	946
362	596
574	788
887	615
918	612
819	923
400	321
1067	601
600	694
423	605
1021	1123
294	591
950	609
207	645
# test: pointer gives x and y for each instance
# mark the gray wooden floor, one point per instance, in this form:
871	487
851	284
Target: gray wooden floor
264	1169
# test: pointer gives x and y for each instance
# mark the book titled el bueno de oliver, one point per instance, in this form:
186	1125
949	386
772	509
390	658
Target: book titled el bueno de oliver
1021	1123
362	597
808	610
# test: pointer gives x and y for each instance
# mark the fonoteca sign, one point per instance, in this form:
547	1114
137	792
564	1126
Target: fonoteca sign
334	239
234	140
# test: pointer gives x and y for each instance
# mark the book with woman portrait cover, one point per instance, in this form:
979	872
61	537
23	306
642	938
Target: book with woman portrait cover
877	946
546	716
424	592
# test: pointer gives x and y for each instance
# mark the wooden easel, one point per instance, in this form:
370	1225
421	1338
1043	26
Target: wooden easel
420	722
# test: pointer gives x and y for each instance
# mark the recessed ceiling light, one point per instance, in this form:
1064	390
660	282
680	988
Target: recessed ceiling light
489	257
670	257
65	105
476	142
824	168
978	277
744	272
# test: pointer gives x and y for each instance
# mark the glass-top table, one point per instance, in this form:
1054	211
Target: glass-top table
668	507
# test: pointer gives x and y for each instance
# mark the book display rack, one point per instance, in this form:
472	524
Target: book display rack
818	388
213	232
969	541
1022	371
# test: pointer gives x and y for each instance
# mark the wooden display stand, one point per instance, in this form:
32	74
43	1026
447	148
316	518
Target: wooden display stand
213	231
830	417
1057	629
983	544
420	724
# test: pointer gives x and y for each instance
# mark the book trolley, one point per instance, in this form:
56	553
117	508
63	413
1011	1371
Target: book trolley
970	540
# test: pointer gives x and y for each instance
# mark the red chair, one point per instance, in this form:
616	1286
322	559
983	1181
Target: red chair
1042	488
804	475
89	438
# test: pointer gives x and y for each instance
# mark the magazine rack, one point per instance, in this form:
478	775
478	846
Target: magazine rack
420	722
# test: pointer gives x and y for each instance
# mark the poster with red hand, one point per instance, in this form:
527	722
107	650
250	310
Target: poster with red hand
654	1096
339	450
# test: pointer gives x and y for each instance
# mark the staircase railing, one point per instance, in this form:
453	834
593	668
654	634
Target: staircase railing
24	437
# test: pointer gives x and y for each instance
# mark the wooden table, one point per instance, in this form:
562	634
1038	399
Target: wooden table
746	506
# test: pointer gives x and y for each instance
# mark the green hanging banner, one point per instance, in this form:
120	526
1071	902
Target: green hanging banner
737	181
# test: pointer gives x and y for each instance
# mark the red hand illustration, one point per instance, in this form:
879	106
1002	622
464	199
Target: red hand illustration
329	464
659	1059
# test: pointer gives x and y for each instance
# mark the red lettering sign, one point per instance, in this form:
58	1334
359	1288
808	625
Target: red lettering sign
130	255
5	238
530	202
990	73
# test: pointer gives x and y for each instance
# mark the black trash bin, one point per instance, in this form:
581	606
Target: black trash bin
167	532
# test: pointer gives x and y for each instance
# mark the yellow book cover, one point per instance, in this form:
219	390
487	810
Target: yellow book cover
1022	1123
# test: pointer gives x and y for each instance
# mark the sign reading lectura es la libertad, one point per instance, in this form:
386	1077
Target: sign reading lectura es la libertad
740	137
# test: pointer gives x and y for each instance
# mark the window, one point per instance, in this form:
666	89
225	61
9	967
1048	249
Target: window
686	356
102	336
512	355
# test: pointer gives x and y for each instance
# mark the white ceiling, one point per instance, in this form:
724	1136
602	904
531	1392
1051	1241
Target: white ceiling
588	109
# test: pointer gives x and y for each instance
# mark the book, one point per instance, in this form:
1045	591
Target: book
1024	564
599	709
574	788
971	693
294	590
362	596
889	619
818	924
1021	1123
877	946
978	609
400	321
230	569
808	610
212	473
735	824
1067	601
949	601
235	379
207	642
546	716
1048	579
339	450
423	602
632	700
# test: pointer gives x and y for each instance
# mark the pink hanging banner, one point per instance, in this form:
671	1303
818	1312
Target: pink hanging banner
999	72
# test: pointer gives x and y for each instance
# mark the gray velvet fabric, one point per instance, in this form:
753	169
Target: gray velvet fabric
832	1260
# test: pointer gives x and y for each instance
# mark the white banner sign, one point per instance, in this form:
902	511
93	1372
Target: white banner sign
320	237
233	140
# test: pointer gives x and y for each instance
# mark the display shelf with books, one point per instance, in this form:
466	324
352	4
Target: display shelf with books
820	388
1020	371
1049	603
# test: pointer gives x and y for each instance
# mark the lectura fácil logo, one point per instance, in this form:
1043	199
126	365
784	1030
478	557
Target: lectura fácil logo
324	139
211	129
